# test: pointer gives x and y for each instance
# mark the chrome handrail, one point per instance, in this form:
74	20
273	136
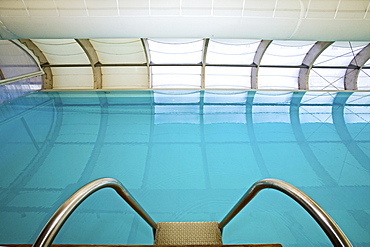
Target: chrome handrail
56	221
332	230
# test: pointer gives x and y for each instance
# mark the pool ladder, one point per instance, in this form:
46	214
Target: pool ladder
190	233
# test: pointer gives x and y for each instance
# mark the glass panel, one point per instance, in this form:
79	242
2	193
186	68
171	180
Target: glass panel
176	76
14	61
286	52
19	88
231	51
119	50
363	81
228	77
339	54
175	51
278	78
326	79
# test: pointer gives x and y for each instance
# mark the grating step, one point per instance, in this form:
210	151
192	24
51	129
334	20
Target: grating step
188	233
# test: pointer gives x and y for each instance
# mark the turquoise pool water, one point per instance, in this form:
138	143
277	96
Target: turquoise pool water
185	156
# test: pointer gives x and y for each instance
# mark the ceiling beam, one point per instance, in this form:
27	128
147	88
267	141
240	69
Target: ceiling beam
48	75
353	70
94	59
308	61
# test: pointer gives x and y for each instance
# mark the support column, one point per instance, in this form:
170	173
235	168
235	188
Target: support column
148	61
94	59
257	60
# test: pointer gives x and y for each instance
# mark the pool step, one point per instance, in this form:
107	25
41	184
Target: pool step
102	245
188	233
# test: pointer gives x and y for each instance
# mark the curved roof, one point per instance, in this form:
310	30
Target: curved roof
249	19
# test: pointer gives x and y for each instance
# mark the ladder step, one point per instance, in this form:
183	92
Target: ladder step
188	233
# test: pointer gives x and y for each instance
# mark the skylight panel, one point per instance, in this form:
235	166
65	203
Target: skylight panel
339	54
231	51
14	61
125	51
62	51
176	76
326	79
176	51
363	81
228	77
278	78
286	52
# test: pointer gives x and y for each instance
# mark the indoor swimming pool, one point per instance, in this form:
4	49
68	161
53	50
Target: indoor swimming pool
185	156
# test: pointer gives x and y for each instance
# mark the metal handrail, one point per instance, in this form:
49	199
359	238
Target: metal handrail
54	224
332	230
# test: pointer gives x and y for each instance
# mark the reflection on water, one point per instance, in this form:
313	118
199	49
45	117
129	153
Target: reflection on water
185	156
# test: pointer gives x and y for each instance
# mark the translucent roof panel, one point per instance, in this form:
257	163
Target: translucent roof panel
286	52
14	61
176	76
228	77
124	77
278	78
62	51
326	79
121	51
339	53
363	81
73	78
231	51
176	51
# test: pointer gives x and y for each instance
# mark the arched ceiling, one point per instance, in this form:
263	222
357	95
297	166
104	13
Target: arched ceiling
324	20
202	64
